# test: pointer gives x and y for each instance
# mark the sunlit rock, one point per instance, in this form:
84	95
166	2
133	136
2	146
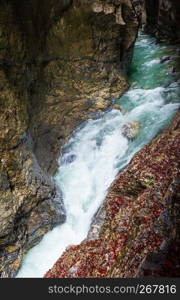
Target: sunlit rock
109	8
97	6
117	106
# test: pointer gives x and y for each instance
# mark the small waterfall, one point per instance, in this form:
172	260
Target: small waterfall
98	151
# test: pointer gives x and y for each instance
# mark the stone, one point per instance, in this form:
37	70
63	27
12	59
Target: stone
119	17
164	59
68	159
131	129
117	106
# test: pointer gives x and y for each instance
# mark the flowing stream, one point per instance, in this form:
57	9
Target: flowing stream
97	151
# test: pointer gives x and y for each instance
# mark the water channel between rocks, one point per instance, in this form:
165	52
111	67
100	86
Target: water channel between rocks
97	152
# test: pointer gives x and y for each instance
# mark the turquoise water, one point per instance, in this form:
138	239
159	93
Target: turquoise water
154	96
97	152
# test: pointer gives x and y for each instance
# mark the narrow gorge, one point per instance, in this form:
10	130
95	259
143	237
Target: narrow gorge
89	138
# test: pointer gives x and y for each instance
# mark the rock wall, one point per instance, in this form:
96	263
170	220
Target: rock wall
136	232
163	19
60	61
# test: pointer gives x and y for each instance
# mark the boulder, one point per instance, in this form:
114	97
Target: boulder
164	59
131	129
117	106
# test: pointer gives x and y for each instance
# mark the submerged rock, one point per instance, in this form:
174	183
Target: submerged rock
131	129
164	59
68	159
119	107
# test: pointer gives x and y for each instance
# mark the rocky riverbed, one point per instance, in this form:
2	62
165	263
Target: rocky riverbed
136	232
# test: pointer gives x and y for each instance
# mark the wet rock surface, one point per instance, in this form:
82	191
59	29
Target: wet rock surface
131	130
136	231
59	62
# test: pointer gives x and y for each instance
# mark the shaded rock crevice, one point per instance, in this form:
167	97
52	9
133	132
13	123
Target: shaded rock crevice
163	19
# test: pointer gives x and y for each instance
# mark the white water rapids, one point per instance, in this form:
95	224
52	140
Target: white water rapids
93	157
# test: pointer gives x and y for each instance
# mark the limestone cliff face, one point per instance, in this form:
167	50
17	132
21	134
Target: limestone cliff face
163	19
59	62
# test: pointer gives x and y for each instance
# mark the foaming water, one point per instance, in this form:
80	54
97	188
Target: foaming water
152	62
97	151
